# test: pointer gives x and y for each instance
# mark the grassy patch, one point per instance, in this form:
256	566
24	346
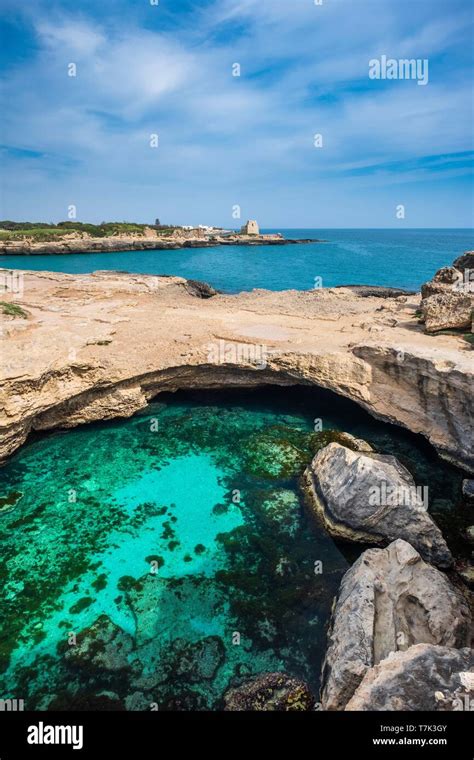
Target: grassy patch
13	310
39	232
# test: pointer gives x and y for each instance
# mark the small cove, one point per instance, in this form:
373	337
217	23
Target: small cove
185	527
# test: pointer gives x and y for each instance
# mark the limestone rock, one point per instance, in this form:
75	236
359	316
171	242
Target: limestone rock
444	281
425	677
465	570
101	345
466	261
120	402
371	498
200	289
324	437
444	311
270	692
389	600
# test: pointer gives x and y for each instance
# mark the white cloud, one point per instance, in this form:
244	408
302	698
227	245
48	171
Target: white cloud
304	70
72	37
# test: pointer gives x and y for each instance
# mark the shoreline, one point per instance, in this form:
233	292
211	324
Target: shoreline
119	244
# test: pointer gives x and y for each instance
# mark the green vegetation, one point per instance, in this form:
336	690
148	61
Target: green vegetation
100	582
40	232
10	500
81	604
468	336
13	310
159	561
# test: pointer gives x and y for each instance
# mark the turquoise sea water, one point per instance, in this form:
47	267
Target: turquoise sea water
398	258
176	549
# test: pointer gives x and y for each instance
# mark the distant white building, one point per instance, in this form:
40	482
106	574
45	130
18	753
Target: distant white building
250	228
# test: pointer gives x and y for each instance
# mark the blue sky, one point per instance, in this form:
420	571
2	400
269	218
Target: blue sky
226	141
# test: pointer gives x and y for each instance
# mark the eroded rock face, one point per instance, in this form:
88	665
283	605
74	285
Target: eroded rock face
448	299
270	691
388	601
444	281
371	498
465	570
102	345
415	385
120	402
425	677
449	310
466	261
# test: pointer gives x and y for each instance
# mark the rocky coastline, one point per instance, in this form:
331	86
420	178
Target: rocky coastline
78	349
83	243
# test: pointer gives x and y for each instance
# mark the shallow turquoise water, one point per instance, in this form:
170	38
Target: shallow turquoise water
398	258
185	527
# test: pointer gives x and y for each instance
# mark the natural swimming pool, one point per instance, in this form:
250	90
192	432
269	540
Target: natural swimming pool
160	559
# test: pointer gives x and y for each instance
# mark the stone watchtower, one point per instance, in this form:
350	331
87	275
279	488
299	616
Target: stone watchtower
250	228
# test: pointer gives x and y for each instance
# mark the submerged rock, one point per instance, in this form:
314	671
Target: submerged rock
426	677
102	646
468	490
137	702
199	660
9	502
447	311
371	498
325	437
273	458
389	600
281	511
270	692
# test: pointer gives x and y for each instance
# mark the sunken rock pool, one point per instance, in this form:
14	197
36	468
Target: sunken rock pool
163	559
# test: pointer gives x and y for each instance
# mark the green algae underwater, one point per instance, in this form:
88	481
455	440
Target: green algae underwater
162	559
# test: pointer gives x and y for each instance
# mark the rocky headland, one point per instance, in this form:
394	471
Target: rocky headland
149	240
